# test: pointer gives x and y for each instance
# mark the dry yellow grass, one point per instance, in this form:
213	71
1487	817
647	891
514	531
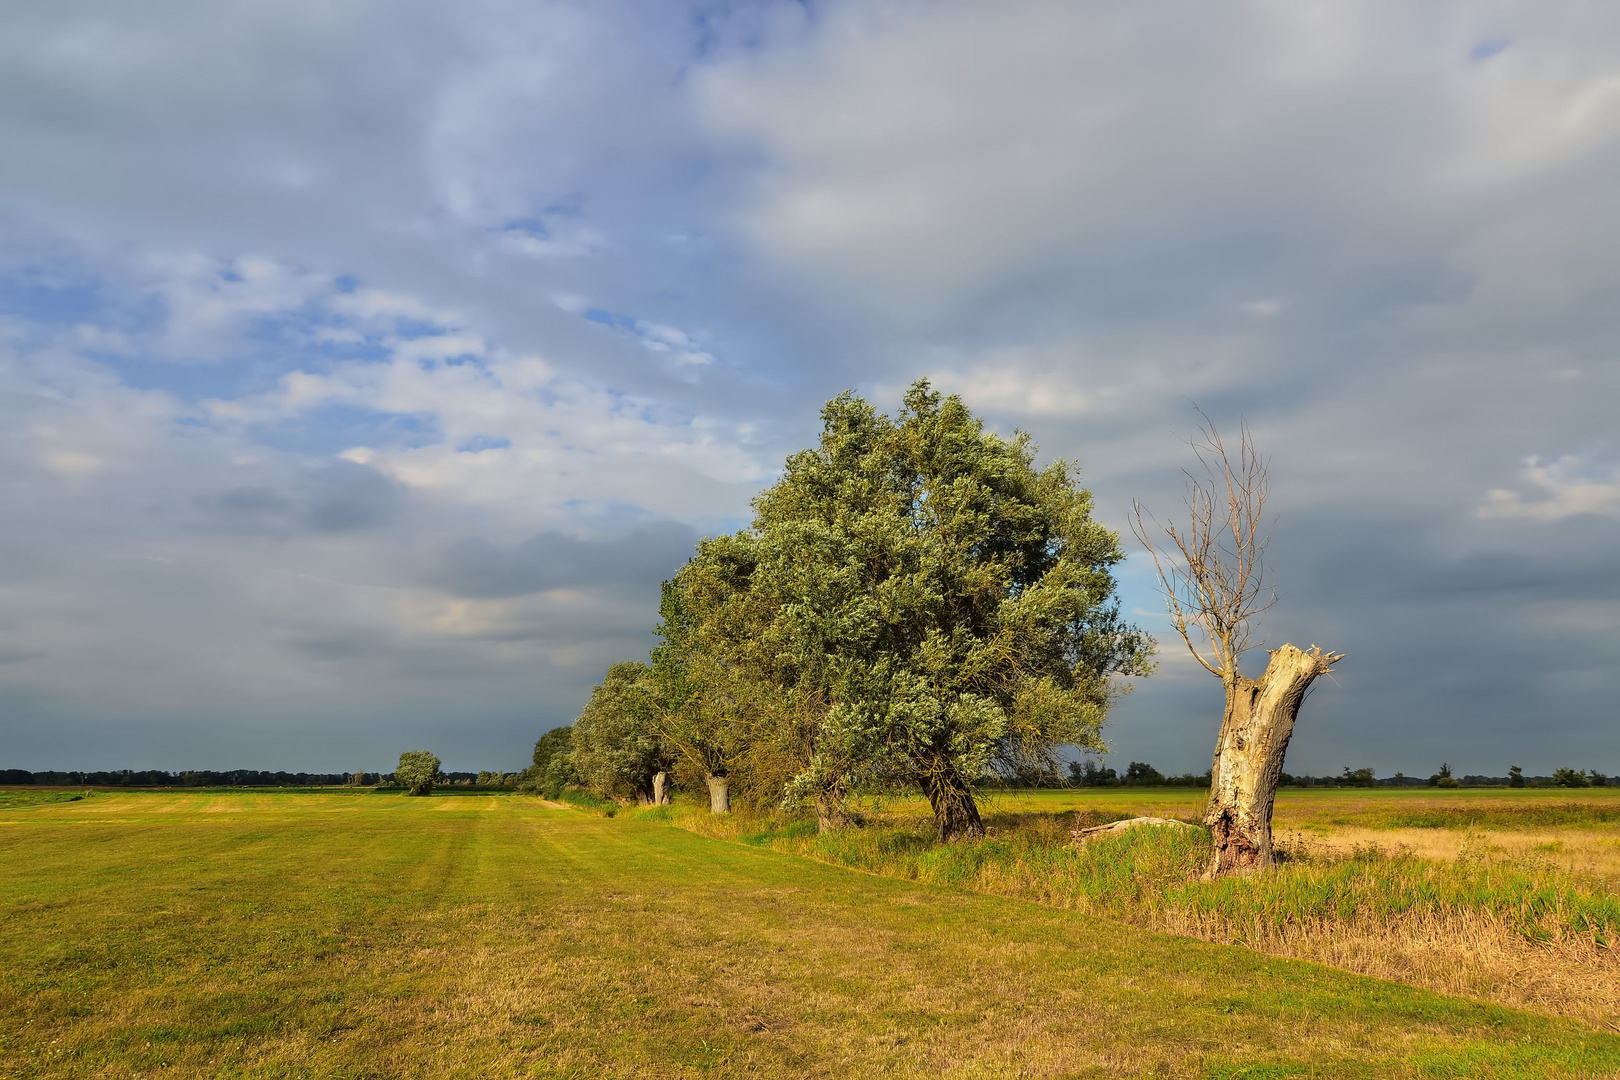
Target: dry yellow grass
1481	945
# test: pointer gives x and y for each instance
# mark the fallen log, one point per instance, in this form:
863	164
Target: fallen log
1082	835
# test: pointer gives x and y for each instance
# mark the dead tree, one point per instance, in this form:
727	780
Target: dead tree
1212	573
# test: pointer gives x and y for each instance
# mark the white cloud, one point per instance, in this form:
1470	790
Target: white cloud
1554	490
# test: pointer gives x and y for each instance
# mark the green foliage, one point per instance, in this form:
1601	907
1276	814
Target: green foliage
553	767
914	603
1443	778
615	747
709	685
1140	773
1515	777
1357	777
418	771
1570	778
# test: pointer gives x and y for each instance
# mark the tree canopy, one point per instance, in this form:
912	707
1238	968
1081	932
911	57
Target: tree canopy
616	748
417	772
914	601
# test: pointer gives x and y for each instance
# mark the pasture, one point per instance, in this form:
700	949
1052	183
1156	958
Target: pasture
215	934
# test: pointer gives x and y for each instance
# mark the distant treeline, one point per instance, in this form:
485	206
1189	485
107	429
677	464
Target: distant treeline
232	778
1141	774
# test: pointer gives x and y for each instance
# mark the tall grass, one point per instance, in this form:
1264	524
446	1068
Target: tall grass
1497	816
1520	931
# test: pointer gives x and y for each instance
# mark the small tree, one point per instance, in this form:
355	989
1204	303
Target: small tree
709	684
1212	573
553	767
417	772
1357	777
617	750
1142	774
1443	778
1515	776
1091	774
1570	778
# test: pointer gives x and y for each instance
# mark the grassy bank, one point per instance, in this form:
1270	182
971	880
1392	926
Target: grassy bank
310	935
1497	921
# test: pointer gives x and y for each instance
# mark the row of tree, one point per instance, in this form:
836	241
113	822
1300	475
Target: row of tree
915	606
187	778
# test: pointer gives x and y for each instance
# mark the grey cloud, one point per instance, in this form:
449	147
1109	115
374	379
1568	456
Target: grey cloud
347	496
551	560
335	498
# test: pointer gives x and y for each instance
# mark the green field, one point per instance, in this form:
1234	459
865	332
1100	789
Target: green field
213	934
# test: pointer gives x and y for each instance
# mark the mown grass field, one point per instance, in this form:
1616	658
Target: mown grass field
1512	896
205	934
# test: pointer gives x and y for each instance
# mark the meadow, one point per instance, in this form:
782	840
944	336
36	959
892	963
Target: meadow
292	934
1508	895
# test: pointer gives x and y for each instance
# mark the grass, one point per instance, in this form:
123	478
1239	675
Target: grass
1523	915
17	798
329	935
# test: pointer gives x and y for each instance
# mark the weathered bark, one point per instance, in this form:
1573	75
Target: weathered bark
719	794
832	811
956	815
660	788
1254	736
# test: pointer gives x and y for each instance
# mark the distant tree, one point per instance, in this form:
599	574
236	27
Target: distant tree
417	772
1357	777
1141	774
616	746
1597	779
1443	778
1212	572
357	778
1091	774
1570	778
1515	776
1400	779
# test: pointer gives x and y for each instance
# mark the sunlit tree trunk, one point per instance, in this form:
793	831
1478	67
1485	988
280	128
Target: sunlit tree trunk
832	810
956	815
660	788
719	794
1248	763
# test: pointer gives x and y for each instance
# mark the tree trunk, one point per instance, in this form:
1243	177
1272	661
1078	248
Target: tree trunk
1255	731
660	788
956	815
832	812
719	794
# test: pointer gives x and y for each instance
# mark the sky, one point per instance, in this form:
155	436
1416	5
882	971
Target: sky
364	367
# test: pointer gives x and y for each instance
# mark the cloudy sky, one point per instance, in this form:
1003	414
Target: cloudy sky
365	366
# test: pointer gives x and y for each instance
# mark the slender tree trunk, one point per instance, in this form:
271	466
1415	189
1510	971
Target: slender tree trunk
1259	721
719	794
660	788
956	815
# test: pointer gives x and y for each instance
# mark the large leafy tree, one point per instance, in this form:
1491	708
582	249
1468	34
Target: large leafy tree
915	600
616	749
418	771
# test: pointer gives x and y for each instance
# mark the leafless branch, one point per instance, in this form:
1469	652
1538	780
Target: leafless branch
1212	572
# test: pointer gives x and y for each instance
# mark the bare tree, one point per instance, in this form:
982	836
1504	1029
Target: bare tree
1212	572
